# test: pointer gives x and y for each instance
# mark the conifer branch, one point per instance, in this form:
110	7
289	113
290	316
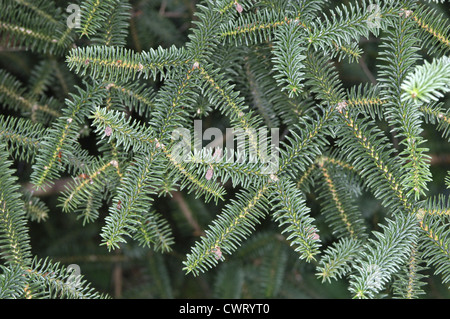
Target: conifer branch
408	284
336	260
292	214
61	135
118	63
15	245
398	238
238	219
435	30
404	116
348	221
376	157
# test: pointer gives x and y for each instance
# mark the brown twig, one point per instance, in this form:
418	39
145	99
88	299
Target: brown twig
366	71
187	213
57	187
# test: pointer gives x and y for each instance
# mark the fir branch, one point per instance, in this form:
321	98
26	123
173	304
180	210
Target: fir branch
123	130
348	23
228	165
226	6
93	14
62	135
435	244
15	96
132	199
137	97
350	51
114	29
336	260
142	139
385	254
171	105
186	177
271	103
301	151
340	209
258	28
306	177
234	224
221	94
15	247
434	29
44	9
323	79
203	37
259	93
428	82
12	282
288	55
41	77
154	230
35	27
409	282
22	136
35	208
56	281
291	213
366	98
119	63
434	206
88	211
84	185
435	114
373	162
400	54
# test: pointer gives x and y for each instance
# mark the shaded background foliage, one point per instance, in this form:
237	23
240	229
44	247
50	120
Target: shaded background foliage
264	266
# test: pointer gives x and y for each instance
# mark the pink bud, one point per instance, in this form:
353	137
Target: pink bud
108	131
312	234
209	174
217	252
238	7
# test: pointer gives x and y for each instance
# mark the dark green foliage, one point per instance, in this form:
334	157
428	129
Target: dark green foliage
101	165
